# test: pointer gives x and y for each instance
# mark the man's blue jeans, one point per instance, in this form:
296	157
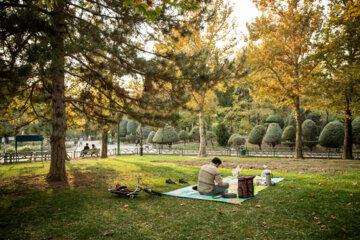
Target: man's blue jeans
217	190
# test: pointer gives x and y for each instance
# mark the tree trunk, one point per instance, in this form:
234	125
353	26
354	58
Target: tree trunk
58	151
347	149
202	148
104	141
298	144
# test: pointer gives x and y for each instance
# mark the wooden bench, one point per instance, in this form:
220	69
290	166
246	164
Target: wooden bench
90	152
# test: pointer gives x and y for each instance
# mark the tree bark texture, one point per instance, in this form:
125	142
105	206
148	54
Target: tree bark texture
58	152
298	143
104	145
202	148
347	148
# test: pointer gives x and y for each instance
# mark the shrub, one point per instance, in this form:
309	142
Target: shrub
131	127
256	135
332	136
231	138
244	127
183	135
150	137
130	138
144	131
238	141
166	135
222	134
273	134
309	133
356	130
315	117
275	119
195	134
123	127
289	136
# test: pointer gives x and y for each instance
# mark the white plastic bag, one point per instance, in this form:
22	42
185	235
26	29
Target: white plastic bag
236	171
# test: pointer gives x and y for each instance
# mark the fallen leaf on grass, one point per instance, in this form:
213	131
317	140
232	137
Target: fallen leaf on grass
258	206
323	229
357	203
291	186
126	205
333	217
221	230
349	204
235	210
300	172
343	229
319	223
161	216
221	212
311	195
316	218
69	224
355	184
323	226
263	224
108	233
182	204
321	184
250	228
351	195
331	190
313	214
295	221
281	202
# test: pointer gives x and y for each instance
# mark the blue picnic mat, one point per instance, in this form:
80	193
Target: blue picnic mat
188	192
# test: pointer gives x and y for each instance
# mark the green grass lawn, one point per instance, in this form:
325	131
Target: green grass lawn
303	206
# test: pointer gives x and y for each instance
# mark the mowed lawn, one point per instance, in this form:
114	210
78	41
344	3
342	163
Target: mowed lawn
321	202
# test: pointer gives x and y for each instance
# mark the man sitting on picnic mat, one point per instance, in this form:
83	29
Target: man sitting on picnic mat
210	181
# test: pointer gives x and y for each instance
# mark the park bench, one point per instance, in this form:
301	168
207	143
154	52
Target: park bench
90	152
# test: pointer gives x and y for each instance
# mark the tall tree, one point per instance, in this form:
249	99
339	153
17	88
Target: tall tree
280	52
44	45
340	51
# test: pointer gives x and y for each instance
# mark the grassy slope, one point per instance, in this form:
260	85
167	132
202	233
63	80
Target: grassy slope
30	209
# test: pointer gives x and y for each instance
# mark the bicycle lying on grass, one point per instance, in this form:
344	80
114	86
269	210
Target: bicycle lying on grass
125	192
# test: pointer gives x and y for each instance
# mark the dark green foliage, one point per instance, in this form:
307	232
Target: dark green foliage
233	136
275	119
309	133
144	131
131	127
332	136
222	135
289	134
130	138
237	141
273	134
183	135
123	127
210	136
356	131
166	135
290	120
150	137
195	134
315	117
226	98
256	135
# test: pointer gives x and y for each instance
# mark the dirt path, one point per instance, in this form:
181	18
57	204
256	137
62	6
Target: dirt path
330	166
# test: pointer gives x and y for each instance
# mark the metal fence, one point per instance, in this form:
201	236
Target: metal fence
9	158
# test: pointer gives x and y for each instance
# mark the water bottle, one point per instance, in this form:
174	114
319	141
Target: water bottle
268	179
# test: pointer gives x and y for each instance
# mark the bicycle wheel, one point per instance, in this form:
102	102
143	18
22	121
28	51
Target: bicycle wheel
152	192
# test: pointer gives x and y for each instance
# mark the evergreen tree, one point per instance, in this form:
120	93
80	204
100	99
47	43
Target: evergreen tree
276	119
256	135
273	134
222	135
309	133
332	136
151	136
288	136
166	135
183	135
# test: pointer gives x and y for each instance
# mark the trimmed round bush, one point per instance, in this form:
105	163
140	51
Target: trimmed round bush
195	134
237	141
131	127
332	136
356	130
231	138
183	135
315	117
166	135
150	137
289	134
123	127
222	135
276	119
273	134
130	138
145	131
256	135
309	133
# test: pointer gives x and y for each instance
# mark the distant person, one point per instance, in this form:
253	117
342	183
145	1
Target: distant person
93	146
210	181
86	148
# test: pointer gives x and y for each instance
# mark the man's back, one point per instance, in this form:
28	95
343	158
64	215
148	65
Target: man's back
208	173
